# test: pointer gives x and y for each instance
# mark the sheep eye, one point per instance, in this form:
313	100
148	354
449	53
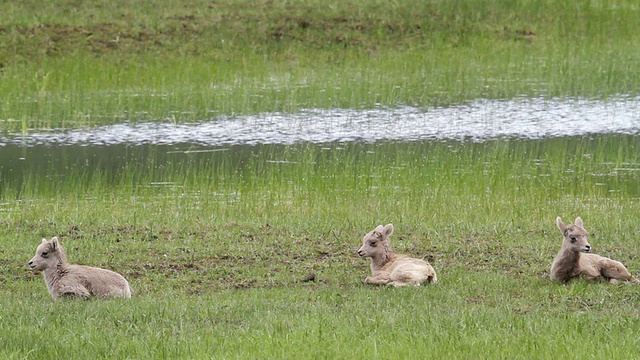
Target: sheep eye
373	243
44	254
573	239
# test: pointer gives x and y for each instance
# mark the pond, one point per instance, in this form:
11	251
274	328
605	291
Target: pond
591	132
478	121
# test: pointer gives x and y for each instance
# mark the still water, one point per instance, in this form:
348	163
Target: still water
478	121
114	152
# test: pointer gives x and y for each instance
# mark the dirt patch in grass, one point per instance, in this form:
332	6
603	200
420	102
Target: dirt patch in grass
204	27
208	258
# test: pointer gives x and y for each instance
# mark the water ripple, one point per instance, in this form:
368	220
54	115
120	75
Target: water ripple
478	121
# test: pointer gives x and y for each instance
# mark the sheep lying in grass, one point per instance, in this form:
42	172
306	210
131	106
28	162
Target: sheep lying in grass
575	259
389	268
66	280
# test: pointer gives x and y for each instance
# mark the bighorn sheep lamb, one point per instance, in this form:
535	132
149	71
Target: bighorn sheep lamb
389	268
575	259
67	280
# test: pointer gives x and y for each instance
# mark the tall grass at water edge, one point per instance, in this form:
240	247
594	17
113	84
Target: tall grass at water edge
65	66
64	94
410	174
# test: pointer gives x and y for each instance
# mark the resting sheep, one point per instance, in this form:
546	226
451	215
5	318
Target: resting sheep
389	268
575	259
75	281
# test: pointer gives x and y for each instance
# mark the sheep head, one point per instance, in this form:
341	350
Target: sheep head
376	242
575	236
48	255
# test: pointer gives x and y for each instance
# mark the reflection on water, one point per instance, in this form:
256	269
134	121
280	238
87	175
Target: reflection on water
478	121
582	144
606	164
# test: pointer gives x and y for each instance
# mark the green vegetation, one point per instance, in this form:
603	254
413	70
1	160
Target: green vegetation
216	242
72	65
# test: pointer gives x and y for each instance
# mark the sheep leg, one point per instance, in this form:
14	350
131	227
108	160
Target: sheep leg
614	271
377	280
74	291
400	283
404	279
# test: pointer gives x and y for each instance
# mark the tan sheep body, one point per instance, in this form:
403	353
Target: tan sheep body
389	268
67	280
575	260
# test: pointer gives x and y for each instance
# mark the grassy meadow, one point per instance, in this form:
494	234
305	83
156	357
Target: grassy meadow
217	252
217	242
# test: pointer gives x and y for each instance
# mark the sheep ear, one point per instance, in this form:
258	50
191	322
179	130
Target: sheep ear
388	230
561	225
54	243
579	222
379	229
44	241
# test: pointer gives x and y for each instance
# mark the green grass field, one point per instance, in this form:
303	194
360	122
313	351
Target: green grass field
217	265
216	245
